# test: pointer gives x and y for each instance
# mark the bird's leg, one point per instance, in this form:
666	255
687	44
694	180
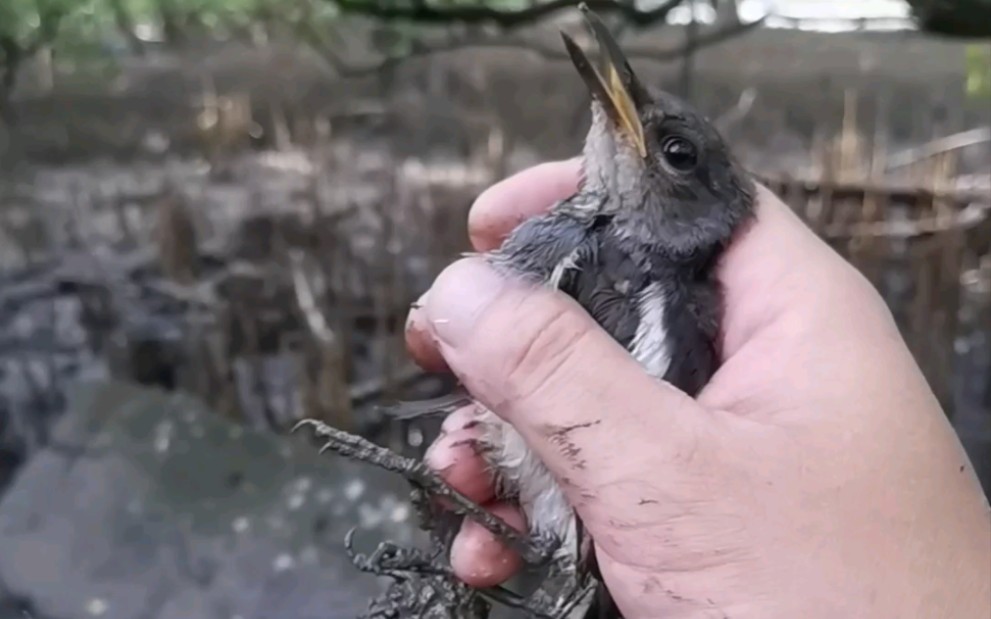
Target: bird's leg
509	599
504	597
536	608
420	502
402	564
357	448
572	597
561	610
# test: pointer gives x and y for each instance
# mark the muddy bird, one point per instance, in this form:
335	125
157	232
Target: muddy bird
637	246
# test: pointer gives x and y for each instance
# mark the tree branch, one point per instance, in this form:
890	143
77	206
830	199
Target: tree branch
422	12
13	53
474	40
728	119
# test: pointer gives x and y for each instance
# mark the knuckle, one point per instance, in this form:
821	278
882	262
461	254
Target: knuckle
484	214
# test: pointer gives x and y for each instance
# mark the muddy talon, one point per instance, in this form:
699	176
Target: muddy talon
349	543
302	424
542	550
422	579
363	450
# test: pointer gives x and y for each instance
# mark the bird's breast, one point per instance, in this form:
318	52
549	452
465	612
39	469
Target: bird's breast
521	475
619	288
651	344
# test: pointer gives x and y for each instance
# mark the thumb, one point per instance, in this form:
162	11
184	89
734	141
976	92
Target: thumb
535	358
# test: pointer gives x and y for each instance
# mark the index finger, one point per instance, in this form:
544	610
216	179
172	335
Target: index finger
504	205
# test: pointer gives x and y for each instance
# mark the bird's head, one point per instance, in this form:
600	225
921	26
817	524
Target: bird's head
664	167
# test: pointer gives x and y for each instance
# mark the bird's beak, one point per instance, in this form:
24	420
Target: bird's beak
614	84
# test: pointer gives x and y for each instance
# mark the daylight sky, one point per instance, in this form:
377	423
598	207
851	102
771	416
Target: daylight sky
820	14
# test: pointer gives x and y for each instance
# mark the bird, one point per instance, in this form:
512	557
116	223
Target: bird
660	198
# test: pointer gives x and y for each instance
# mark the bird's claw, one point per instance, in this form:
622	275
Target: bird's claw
545	547
389	559
413	569
420	586
426	483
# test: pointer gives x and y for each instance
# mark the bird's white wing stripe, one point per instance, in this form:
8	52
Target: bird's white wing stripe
650	346
569	262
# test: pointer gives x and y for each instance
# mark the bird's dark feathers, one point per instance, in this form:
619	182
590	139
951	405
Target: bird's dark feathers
609	272
684	212
606	283
692	317
540	244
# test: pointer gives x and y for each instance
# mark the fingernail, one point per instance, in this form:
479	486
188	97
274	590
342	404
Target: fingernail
440	456
415	309
420	302
459	297
461	419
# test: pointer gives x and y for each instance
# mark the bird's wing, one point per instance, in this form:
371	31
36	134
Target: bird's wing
443	405
692	317
602	606
543	248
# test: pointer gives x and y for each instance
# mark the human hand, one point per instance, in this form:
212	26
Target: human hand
815	476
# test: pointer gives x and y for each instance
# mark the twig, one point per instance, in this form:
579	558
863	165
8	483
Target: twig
307	301
971	216
483	13
738	112
896	192
938	147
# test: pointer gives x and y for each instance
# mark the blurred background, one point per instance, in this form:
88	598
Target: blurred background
214	215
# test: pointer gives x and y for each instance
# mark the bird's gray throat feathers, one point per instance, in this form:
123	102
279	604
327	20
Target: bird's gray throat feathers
610	165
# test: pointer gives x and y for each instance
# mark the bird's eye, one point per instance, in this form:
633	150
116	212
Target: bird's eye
680	153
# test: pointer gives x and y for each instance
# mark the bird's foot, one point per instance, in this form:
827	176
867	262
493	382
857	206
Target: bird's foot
415	571
389	559
421	585
545	548
533	552
563	591
526	606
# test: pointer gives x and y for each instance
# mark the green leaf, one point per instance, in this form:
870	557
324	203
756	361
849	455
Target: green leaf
979	71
